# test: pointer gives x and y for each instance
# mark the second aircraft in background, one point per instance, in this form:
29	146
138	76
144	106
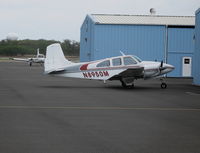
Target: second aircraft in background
39	58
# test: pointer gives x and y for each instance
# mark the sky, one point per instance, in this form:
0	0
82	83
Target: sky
62	19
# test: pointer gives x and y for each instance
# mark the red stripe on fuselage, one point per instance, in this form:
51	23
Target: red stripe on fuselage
84	67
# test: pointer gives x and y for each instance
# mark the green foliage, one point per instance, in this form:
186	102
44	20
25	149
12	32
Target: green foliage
22	47
70	47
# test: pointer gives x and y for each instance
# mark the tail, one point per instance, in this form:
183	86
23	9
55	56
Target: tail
55	59
38	52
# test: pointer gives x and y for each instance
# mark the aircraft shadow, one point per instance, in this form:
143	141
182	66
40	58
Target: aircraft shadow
136	88
110	87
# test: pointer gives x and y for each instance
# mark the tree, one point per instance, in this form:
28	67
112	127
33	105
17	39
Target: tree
22	47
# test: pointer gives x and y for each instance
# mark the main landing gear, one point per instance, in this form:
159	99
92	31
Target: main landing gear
128	84
163	84
30	62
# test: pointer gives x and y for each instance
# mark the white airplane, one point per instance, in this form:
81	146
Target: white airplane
38	59
125	68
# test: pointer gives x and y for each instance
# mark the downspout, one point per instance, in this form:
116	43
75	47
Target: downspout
166	44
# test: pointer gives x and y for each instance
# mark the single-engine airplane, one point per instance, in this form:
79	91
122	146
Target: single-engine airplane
38	59
125	68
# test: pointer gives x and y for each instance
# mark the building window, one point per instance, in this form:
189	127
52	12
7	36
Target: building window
129	61
104	64
117	62
186	61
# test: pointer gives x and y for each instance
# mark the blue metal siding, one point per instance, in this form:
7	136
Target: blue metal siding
147	42
180	44
175	59
180	40
87	40
196	63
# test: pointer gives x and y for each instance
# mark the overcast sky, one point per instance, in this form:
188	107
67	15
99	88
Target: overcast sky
62	19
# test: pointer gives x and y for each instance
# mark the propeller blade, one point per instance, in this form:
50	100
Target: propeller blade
161	64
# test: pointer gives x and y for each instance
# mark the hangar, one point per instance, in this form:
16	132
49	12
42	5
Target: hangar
196	69
151	37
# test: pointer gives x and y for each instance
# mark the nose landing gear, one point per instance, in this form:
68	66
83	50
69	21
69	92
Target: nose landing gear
163	84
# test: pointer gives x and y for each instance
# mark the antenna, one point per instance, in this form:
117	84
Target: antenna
122	53
152	11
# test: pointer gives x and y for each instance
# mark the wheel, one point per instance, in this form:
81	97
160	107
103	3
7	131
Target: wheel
163	85
131	86
30	63
124	84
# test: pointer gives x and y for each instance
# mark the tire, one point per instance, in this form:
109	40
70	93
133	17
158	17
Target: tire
163	85
124	84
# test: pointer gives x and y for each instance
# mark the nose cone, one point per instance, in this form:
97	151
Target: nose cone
167	68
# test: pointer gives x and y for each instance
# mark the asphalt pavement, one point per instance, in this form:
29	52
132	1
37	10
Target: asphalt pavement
43	114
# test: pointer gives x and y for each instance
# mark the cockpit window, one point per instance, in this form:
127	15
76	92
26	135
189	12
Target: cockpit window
116	61
104	64
129	61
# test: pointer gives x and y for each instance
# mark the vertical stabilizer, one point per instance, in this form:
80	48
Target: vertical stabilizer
55	59
38	52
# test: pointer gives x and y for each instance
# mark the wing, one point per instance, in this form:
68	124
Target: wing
137	72
21	59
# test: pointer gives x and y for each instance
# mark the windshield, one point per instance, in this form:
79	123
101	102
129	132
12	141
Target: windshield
137	58
129	61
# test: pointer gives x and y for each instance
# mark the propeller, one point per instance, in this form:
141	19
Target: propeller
161	66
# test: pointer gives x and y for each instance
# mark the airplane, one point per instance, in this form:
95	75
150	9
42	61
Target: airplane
125	68
38	59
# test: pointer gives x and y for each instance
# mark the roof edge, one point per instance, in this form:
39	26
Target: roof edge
92	18
143	15
197	11
142	19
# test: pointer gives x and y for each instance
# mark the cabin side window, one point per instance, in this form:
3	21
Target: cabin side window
104	64
129	61
116	61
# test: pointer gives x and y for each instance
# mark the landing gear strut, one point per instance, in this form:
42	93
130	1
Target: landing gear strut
163	84
126	85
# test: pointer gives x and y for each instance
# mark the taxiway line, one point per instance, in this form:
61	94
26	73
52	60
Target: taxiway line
99	108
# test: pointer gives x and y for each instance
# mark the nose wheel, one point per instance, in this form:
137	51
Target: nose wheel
163	84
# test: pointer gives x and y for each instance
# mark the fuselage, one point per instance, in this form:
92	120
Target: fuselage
107	68
125	68
36	60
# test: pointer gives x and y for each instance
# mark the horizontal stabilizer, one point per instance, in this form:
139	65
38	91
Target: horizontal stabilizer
21	59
